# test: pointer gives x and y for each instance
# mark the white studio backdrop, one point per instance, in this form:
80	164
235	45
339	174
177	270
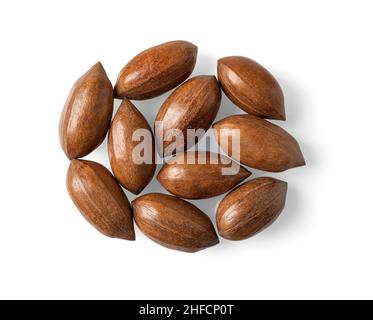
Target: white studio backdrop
320	247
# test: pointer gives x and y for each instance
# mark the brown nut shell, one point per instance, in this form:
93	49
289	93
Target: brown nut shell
156	70
193	105
86	116
263	145
251	87
100	199
250	208
133	175
174	223
200	175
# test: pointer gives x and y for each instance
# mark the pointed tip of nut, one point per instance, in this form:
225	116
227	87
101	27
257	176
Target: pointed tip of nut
125	235
187	44
137	191
98	65
159	176
301	162
97	68
133	203
128	236
281	115
117	95
75	163
278	111
245	173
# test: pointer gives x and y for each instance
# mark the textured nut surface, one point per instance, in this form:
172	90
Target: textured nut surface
193	105
202	179
251	87
174	223
250	208
100	199
263	145
86	115
133	176
156	70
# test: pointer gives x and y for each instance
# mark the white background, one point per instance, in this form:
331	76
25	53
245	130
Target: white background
322	54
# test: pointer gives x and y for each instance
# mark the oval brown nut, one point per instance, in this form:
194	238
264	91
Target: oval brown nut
86	116
201	175
174	223
100	199
156	70
193	105
251	87
132	162
250	208
263	145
